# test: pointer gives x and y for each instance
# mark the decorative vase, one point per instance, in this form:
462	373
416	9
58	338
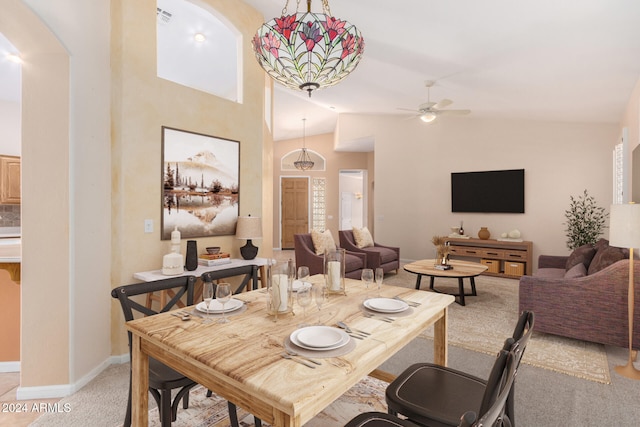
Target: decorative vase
484	234
334	270
191	261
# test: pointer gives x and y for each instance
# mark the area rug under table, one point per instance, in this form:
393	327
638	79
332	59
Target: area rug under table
367	395
488	319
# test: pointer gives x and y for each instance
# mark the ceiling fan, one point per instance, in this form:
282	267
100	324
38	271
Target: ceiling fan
430	110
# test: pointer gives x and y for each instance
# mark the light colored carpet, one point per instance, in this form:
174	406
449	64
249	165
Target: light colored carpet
367	395
489	318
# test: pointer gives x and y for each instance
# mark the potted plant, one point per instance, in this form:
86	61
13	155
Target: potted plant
585	221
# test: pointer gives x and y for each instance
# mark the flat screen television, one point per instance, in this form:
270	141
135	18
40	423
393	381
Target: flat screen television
500	191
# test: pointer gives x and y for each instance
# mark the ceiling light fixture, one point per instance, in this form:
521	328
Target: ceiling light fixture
308	51
428	117
304	162
199	37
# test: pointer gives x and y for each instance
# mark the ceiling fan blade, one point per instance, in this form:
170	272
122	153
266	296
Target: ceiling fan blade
454	112
442	104
413	110
426	106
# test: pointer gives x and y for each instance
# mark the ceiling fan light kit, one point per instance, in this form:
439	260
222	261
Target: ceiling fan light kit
429	111
308	51
428	117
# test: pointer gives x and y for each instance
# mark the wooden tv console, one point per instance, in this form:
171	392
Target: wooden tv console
504	258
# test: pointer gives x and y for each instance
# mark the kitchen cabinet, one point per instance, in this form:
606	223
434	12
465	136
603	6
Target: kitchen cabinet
9	180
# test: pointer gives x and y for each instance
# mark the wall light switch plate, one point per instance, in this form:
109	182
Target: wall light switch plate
148	226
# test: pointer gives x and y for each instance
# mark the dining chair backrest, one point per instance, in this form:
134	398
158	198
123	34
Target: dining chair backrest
180	287
497	410
521	335
495	381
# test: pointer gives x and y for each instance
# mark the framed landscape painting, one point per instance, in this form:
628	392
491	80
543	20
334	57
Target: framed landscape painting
200	184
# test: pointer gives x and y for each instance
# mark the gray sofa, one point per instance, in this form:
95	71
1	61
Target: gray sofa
584	295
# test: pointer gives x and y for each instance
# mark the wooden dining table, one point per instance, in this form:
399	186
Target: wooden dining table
242	361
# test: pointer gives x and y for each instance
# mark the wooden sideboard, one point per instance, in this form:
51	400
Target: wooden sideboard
504	258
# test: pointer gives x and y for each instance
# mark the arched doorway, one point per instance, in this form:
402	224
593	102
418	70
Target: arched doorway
45	201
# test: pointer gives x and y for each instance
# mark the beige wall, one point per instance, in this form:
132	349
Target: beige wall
413	163
142	103
45	118
335	161
65	151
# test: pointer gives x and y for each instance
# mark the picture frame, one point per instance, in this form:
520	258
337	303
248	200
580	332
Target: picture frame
200	184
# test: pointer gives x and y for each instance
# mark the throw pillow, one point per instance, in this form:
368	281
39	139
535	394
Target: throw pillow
362	237
582	255
323	242
605	257
578	270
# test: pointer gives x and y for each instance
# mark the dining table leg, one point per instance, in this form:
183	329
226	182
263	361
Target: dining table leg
440	339
139	384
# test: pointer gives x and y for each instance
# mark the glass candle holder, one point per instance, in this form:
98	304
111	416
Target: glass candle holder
279	288
334	264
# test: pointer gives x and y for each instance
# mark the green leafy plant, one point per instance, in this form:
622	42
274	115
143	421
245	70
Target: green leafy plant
585	221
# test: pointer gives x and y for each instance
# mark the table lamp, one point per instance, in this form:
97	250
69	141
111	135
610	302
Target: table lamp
624	231
249	227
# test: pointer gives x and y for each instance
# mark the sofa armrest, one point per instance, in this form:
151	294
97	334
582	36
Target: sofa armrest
552	261
361	255
393	248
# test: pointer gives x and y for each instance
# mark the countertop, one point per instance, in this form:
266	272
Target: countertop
10	245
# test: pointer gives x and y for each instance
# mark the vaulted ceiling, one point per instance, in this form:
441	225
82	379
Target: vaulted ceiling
574	61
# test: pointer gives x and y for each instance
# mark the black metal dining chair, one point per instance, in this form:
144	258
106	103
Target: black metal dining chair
378	419
163	379
433	395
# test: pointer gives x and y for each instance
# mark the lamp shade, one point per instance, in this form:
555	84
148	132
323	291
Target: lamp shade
249	227
624	226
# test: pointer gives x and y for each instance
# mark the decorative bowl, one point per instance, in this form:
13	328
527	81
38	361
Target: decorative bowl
212	250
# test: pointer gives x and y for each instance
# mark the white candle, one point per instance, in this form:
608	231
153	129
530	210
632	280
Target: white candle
333	275
279	289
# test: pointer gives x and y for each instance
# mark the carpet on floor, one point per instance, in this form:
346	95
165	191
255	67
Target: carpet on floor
488	319
366	395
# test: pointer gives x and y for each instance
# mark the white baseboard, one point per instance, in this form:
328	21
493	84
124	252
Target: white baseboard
9	366
63	390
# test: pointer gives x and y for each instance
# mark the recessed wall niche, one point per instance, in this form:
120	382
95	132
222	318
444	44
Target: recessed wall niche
198	48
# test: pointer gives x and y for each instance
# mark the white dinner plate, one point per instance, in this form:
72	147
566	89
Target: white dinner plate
319	338
216	307
297	284
386	305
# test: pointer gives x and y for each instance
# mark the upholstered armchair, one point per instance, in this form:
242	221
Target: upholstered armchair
306	255
387	257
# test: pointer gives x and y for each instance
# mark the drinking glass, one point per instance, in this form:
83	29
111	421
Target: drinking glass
303	273
304	300
292	270
319	293
207	296
223	295
379	278
367	277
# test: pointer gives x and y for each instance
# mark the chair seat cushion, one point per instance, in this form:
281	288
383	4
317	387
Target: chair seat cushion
352	263
386	254
450	392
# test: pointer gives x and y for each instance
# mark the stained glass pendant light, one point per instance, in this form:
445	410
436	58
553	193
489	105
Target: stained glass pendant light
304	162
308	51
